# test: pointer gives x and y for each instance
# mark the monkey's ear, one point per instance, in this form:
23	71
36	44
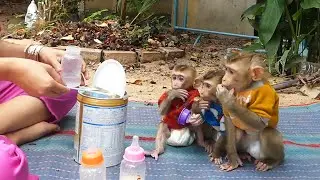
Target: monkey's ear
197	82
257	73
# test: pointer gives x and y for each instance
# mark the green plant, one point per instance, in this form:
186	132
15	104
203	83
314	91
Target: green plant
57	10
138	8
282	25
99	15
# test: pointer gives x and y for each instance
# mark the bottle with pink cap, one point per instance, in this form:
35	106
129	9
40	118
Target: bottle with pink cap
133	166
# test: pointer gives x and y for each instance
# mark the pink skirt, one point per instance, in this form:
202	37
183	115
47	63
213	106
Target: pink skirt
58	107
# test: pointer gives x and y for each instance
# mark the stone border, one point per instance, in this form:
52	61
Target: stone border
124	57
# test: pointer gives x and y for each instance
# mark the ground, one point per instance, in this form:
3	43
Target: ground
147	81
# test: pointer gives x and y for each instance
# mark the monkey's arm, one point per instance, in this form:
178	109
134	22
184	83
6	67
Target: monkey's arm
248	117
165	103
161	138
231	147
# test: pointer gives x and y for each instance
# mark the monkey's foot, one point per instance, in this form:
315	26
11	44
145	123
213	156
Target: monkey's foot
228	167
245	156
209	148
234	163
261	166
215	159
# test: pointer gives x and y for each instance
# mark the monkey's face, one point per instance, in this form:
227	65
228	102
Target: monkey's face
179	81
237	76
208	88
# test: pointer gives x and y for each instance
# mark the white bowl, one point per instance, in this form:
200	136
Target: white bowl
111	77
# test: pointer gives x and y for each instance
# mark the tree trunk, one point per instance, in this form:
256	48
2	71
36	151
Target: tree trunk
123	9
314	46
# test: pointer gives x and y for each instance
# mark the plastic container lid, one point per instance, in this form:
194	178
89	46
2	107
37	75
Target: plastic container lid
111	76
134	153
14	163
92	157
184	116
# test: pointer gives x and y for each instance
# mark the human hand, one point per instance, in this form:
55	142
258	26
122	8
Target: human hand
225	96
36	78
53	58
178	93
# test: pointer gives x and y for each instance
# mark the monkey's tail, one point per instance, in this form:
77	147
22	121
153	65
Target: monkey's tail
272	145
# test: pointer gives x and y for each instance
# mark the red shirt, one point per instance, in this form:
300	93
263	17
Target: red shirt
177	105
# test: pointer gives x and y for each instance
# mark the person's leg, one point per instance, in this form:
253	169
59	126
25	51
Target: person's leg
24	112
24	118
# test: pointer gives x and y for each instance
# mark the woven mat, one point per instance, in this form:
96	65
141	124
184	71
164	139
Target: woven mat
51	157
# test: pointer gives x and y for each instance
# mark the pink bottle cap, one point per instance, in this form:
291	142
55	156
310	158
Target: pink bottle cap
14	163
134	153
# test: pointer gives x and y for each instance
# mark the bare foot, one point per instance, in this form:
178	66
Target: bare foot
32	133
261	166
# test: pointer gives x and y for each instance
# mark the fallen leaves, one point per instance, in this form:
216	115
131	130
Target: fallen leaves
136	82
68	38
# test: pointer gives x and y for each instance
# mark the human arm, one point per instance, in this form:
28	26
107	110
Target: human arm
38	52
11	50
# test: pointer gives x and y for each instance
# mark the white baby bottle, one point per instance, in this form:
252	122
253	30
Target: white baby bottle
92	165
133	166
71	67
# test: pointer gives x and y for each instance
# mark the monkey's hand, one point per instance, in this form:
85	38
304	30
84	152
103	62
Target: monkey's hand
195	120
178	93
199	105
155	154
225	96
234	163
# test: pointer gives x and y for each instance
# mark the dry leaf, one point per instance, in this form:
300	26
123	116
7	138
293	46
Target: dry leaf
68	38
102	24
97	41
39	33
137	82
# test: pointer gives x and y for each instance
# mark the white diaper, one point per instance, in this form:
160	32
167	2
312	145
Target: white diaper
181	137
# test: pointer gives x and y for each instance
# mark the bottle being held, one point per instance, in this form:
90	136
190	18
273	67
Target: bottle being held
133	166
71	67
92	165
31	15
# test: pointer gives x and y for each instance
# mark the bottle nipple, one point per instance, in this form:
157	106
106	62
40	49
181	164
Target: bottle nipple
134	153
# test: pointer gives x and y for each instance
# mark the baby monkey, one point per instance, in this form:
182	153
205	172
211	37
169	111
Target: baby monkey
207	109
171	103
251	110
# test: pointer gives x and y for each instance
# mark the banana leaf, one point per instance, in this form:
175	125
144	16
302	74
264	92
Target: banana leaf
307	4
270	19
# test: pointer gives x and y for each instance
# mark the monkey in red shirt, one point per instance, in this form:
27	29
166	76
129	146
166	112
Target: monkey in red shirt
171	103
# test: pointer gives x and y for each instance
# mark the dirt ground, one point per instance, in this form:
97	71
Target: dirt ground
146	82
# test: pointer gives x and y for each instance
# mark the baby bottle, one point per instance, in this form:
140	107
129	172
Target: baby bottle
92	165
71	67
133	166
